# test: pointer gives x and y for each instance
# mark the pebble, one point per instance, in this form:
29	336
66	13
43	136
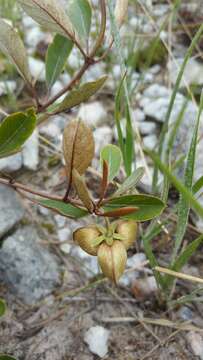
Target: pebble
150	141
193	73
29	270
11	163
196	343
7	87
37	69
11	209
93	114
97	339
30	152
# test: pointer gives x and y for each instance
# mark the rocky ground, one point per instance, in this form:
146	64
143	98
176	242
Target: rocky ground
59	308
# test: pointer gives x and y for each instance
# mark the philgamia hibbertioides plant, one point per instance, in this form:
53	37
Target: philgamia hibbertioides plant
124	208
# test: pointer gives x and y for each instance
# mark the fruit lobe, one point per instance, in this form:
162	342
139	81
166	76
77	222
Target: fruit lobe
128	229
85	236
112	259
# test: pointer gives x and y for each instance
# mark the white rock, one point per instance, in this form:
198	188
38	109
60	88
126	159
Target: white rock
102	137
64	234
66	248
94	72
136	260
30	152
33	36
37	68
97	339
93	114
138	115
147	127
7	87
11	163
196	343
60	221
150	141
56	88
50	130
193	73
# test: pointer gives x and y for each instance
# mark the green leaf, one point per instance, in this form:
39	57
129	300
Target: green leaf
177	183
63	209
113	157
56	57
149	206
49	14
6	357
184	204
2	307
198	185
80	14
12	46
131	182
184	257
15	130
82	94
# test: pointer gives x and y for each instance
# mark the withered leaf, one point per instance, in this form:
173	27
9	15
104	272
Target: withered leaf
78	147
12	46
121	212
82	191
49	14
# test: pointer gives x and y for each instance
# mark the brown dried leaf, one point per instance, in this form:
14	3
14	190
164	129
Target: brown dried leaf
121	212
82	190
78	147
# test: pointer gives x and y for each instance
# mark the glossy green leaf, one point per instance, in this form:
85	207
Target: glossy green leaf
50	14
2	307
113	157
6	357
80	14
12	46
57	55
149	206
15	130
82	94
63	209
131	181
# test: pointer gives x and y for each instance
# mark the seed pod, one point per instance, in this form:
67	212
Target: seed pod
127	229
85	237
112	260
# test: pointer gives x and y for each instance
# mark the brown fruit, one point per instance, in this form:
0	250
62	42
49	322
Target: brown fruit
85	236
112	259
127	229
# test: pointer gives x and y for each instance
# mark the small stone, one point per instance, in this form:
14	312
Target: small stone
144	288
7	87
138	115
37	69
60	221
11	163
30	152
29	270
97	339
193	73
102	137
150	141
33	36
196	343
147	127
11	209
64	234
66	248
93	114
